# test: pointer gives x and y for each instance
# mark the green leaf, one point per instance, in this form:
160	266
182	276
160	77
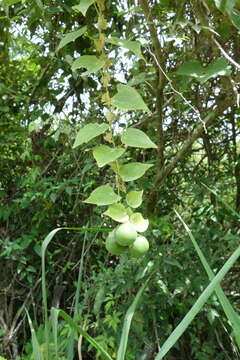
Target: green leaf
99	298
173	262
89	132
72	36
226	305
83	6
103	195
117	212
134	198
196	308
127	323
139	222
235	17
32	126
133	46
137	138
90	62
54	322
9	2
127	98
218	67
37	353
75	326
138	79
190	68
133	171
40	4
225	5
104	154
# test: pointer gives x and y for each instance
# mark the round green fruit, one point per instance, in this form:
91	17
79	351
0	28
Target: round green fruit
112	246
140	246
125	234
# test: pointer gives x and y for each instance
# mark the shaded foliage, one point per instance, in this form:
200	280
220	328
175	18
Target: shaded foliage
44	181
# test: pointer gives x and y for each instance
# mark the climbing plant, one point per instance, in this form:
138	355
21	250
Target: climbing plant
113	114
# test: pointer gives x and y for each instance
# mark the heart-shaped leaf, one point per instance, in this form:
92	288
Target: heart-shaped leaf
103	195
127	98
137	138
134	198
133	171
72	36
117	212
90	62
104	154
88	132
139	222
83	6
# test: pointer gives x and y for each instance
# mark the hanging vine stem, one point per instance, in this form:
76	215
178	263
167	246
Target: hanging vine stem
105	81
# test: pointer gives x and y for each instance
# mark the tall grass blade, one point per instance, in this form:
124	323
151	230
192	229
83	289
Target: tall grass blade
54	321
80	330
226	305
44	289
45	244
77	296
173	338
127	323
79	282
36	348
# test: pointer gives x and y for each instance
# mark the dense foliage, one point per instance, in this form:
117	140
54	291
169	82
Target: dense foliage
171	69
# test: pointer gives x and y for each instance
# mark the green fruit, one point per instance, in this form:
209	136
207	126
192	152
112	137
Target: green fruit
125	234
140	246
112	246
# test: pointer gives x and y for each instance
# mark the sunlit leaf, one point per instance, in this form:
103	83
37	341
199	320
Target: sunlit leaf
88	132
103	195
139	222
137	138
127	98
117	212
90	62
133	171
72	36
83	6
104	154
134	198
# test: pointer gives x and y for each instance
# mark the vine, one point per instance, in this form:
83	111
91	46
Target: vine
125	238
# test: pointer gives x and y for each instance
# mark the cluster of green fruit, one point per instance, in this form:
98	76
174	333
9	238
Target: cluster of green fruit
125	238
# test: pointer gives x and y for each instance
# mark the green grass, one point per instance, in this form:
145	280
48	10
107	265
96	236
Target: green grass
51	327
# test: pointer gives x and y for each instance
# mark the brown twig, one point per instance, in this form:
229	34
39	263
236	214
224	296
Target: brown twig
158	58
